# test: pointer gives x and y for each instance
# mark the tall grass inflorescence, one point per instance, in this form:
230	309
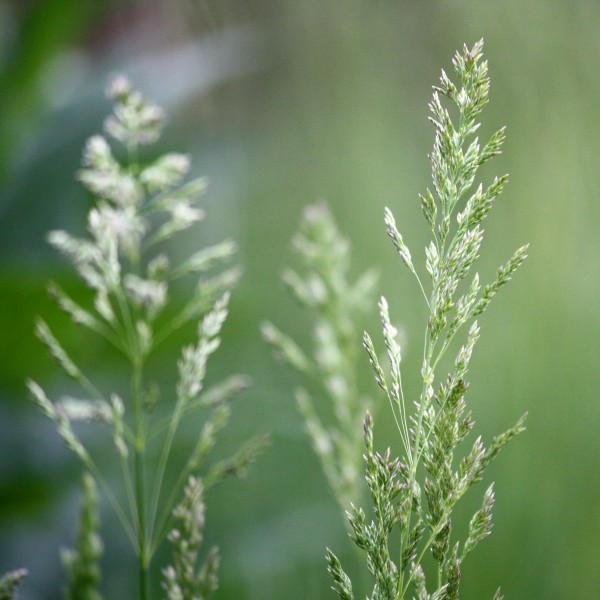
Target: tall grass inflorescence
414	495
9	584
140	205
81	562
334	410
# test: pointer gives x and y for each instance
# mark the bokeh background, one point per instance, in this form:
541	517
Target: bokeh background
283	103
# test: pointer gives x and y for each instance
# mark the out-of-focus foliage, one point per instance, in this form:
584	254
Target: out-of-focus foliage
283	103
337	308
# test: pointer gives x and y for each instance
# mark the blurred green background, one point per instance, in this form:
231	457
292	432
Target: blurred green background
283	103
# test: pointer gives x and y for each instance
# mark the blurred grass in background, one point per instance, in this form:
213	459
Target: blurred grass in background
281	104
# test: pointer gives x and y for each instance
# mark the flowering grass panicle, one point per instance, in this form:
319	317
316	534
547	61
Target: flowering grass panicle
140	205
82	563
183	579
333	414
414	495
9	584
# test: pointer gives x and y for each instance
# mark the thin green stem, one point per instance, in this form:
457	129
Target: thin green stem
89	387
406	436
131	342
140	481
405	440
426	547
116	506
179	321
421	286
164	458
140	438
110	335
428	349
162	524
129	488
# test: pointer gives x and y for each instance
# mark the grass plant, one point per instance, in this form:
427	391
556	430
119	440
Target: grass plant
140	206
414	494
